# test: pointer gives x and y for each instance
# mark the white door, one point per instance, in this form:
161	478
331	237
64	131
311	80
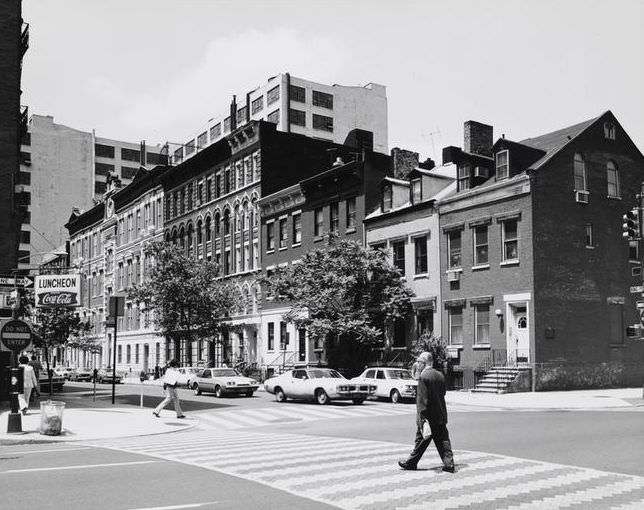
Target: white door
518	339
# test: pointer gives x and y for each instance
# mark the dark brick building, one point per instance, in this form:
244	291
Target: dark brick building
537	273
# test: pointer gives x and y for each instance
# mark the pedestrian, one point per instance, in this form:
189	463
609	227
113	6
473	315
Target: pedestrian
417	368
36	365
170	381
430	407
29	383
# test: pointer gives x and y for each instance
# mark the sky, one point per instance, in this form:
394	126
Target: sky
157	70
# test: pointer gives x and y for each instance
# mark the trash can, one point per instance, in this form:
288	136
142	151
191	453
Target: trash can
51	417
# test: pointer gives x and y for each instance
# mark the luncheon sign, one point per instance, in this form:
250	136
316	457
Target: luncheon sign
58	290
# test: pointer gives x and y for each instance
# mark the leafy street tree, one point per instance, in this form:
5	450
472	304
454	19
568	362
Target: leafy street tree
188	299
342	291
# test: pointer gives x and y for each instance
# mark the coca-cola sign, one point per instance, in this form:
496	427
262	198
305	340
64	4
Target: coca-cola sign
60	290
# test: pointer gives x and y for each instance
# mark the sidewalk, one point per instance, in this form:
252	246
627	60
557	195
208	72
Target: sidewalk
579	399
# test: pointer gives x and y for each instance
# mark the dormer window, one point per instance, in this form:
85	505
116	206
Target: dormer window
579	172
464	176
387	198
609	130
502	164
416	193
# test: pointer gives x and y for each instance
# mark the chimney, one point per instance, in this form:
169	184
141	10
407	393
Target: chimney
233	114
478	138
404	161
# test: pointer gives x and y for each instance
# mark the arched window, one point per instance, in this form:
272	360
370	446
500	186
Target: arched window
580	173
217	225
208	231
227	222
174	237
244	213
609	130
167	237
190	236
612	178
182	238
199	232
237	222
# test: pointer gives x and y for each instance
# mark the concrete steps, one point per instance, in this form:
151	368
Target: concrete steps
497	380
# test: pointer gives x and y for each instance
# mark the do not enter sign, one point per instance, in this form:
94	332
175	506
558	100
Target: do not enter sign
15	335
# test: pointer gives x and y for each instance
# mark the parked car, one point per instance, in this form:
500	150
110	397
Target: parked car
394	384
57	381
223	381
185	374
105	376
81	374
319	384
63	371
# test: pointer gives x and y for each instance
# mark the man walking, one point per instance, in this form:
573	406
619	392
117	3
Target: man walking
170	380
430	407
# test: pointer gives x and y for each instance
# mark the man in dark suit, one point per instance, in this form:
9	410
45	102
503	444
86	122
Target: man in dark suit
430	406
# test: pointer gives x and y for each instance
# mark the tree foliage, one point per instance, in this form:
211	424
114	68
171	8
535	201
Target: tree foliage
342	289
427	342
187	298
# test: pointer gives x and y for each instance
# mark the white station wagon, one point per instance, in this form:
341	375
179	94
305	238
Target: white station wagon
391	383
319	384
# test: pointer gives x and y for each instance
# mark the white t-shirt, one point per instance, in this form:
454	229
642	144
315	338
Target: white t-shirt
171	376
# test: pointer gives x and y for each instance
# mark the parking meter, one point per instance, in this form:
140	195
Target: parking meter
95	375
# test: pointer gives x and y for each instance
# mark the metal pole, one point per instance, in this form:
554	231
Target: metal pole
116	322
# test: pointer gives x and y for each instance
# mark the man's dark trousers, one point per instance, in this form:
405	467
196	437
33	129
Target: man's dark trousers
441	440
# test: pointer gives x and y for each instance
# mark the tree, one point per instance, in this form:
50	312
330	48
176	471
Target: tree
188	299
342	290
427	342
54	327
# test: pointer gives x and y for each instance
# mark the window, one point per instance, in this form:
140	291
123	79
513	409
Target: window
190	147
420	255
323	123
297	228
334	215
454	248
103	168
227	125
215	131
318	222
399	339
510	240
482	318
119	350
612	177
351	213
257	105
398	248
609	130
273	95
322	100
297	117
283	335
480	245
455	327
297	93
387	198
283	232
502	164
271	336
130	155
579	172
128	350
104	151
416	191
464	172
202	140
270	236
136	353
424	321
241	116
178	155
274	117
99	187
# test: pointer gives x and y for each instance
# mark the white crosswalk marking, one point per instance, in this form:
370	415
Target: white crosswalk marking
356	474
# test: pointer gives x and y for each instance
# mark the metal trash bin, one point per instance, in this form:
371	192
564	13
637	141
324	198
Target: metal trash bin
51	417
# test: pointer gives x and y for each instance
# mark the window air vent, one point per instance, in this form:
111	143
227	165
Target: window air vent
581	197
453	276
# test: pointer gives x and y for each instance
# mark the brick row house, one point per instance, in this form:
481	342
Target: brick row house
535	273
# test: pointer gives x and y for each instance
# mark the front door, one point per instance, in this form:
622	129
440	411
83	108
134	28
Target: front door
518	339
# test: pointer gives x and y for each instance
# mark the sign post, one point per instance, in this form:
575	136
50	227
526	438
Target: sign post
116	309
15	335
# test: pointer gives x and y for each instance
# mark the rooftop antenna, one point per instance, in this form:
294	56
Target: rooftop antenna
431	136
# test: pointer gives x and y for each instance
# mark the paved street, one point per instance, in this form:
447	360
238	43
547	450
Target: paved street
344	456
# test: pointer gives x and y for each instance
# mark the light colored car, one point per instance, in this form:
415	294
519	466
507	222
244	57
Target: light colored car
105	375
81	374
185	374
319	384
57	381
223	381
395	384
63	371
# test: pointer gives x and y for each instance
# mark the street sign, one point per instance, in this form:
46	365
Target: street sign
18	281
58	290
15	335
637	288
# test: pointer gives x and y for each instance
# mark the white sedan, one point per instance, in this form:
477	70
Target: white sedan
391	383
185	374
319	384
222	381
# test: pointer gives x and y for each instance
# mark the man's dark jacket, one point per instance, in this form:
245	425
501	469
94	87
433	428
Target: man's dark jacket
430	396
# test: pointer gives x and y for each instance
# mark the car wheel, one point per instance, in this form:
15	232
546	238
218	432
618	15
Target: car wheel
218	392
280	396
321	397
196	389
249	393
395	396
358	401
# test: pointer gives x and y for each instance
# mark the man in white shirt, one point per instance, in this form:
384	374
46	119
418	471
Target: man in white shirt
29	382
170	380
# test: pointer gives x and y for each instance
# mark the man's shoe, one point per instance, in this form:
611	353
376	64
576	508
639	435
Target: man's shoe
449	469
156	414
182	416
406	465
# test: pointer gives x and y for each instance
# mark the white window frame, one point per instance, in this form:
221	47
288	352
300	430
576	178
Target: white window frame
477	324
417	240
506	241
579	172
476	261
449	248
450	325
502	169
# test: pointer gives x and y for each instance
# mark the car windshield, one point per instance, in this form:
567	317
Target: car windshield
317	373
194	370
399	374
224	372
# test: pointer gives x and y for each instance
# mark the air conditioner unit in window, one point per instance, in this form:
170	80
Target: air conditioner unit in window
453	276
481	171
581	197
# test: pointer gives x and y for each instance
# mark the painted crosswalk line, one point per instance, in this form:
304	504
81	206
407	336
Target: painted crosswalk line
357	474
